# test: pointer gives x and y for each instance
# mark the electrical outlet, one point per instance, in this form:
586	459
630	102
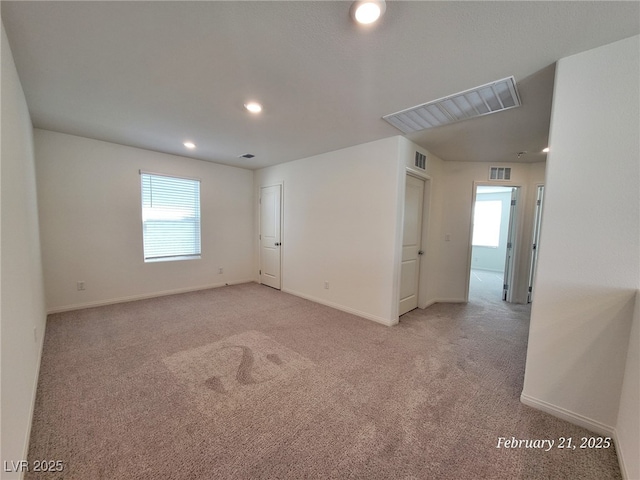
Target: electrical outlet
80	286
326	285
220	270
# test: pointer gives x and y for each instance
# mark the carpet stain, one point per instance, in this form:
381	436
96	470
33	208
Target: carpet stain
244	375
231	372
214	383
272	357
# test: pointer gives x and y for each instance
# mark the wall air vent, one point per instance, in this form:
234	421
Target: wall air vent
421	160
499	173
475	102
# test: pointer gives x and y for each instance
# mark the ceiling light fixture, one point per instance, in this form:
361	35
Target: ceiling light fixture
367	12
545	150
189	145
253	107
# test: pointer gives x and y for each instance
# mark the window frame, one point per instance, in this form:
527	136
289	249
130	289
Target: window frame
194	252
479	205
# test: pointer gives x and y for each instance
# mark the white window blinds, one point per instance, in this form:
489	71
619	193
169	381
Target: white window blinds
170	217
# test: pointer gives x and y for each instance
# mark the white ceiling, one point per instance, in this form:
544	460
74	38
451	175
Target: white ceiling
154	74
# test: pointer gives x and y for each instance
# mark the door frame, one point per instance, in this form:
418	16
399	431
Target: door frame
258	237
419	201
516	219
535	239
426	203
510	257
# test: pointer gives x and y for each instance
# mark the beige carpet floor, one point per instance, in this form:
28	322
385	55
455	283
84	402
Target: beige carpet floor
247	382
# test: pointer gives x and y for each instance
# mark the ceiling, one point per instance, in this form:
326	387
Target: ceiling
154	74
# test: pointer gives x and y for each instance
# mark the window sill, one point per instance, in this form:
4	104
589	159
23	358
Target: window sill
172	259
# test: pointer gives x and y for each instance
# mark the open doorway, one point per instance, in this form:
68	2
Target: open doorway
492	243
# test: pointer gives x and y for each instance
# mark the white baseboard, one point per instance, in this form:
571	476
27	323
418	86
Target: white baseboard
443	300
133	298
569	416
487	269
32	407
582	421
368	316
621	461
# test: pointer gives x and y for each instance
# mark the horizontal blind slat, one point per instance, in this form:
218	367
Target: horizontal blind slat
171	216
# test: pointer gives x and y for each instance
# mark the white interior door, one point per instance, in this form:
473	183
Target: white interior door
508	264
411	244
270	235
536	241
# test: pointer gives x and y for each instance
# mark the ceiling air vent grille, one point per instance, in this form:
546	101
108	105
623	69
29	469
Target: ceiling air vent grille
421	160
475	102
499	173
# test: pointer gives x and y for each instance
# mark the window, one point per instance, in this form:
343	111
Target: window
486	223
170	217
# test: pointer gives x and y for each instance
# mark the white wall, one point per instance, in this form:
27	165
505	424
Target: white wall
22	294
456	200
90	219
340	224
589	262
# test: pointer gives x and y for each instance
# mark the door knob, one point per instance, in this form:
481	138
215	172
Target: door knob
420	252
277	244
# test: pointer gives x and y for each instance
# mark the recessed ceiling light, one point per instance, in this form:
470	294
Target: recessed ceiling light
189	145
253	107
367	11
545	150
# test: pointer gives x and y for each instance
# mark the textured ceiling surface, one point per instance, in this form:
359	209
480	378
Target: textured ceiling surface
154	74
